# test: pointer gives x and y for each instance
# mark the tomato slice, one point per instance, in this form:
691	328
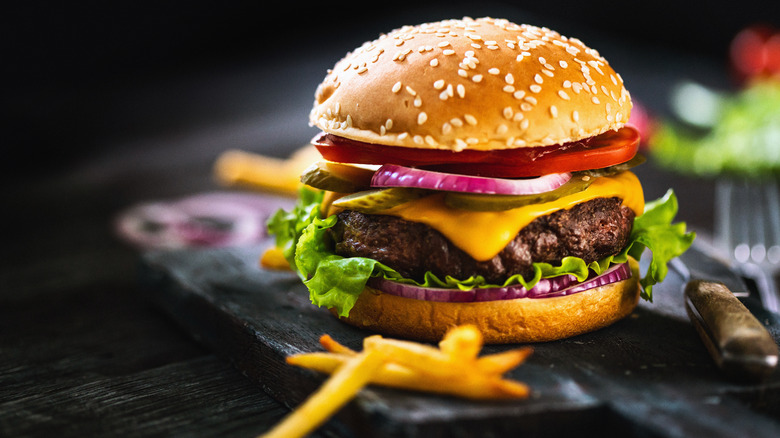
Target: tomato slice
608	149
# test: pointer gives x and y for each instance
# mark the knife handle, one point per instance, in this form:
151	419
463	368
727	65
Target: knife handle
740	345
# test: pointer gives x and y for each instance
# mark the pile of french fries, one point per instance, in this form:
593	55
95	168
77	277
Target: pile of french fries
454	368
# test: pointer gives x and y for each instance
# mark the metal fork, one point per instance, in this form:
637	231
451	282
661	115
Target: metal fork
747	230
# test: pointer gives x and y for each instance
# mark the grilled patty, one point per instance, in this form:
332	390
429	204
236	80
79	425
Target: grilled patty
591	230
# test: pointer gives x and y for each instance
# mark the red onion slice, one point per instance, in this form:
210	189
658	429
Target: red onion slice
545	288
392	175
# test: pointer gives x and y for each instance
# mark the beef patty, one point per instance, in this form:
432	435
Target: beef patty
591	230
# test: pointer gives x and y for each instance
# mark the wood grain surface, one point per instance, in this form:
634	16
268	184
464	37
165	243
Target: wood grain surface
648	375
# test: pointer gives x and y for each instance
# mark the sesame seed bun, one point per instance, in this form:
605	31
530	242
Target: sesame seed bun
502	321
478	84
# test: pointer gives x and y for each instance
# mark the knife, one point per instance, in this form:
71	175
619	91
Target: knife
738	343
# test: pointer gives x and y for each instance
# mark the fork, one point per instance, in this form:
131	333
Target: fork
747	231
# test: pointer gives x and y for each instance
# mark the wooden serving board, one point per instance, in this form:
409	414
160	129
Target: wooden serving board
648	375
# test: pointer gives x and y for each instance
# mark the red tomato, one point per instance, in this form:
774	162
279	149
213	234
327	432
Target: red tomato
610	148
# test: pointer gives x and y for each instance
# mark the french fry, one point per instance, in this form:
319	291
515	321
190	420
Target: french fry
331	345
240	168
500	363
273	258
454	368
393	375
425	359
462	342
339	389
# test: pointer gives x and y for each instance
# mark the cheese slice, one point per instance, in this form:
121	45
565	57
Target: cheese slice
483	234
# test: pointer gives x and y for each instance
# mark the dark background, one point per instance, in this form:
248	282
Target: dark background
108	104
84	76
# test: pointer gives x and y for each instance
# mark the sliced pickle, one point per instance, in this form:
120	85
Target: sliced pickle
337	177
480	202
579	181
372	201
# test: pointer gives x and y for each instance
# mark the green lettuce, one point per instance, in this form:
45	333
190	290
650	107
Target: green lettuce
336	282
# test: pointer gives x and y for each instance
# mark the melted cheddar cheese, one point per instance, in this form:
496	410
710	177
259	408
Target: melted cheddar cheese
483	234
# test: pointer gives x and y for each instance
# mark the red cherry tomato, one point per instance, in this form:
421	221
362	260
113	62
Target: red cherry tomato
755	52
610	148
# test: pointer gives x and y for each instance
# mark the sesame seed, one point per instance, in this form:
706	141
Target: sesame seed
494	71
418	139
462	73
524	124
476	78
538	78
535	88
396	87
502	129
548	73
389	124
456	122
595	100
448	52
434	62
471	120
417	101
509	88
508	112
509	78
430	140
519	94
542	60
439	84
446	128
554	111
461	90
411	91
525	106
563	63
422	118
575	116
444	44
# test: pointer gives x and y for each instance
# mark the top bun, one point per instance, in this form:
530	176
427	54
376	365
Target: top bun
478	84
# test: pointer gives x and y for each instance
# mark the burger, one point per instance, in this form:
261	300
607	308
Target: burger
476	171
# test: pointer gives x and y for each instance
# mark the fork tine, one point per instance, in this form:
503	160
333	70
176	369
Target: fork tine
740	230
773	222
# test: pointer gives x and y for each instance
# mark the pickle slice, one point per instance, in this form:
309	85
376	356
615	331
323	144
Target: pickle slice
372	201
481	202
337	177
579	182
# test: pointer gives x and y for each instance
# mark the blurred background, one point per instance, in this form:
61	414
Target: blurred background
108	105
85	79
136	99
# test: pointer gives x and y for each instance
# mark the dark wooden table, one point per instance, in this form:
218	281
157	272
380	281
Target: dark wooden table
83	351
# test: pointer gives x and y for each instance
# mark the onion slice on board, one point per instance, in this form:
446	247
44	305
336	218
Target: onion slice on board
392	175
545	288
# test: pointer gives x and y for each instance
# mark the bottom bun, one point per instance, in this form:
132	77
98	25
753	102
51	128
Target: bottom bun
503	321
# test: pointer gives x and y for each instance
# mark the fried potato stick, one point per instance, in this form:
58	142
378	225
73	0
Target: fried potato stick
477	386
339	389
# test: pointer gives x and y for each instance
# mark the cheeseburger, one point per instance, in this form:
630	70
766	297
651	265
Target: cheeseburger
476	171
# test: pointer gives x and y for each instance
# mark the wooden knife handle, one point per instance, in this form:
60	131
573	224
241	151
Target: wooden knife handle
737	341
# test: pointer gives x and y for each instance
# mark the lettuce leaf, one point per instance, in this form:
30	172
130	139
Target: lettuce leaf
336	282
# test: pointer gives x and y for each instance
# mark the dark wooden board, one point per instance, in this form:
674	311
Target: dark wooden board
648	375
